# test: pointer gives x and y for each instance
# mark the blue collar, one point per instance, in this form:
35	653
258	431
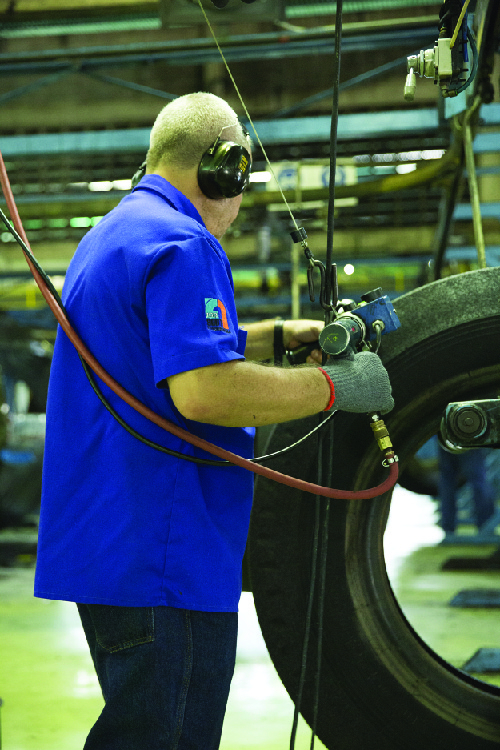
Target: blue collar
154	183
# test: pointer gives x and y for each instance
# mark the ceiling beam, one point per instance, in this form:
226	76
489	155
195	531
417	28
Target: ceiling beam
271	131
236	48
291	130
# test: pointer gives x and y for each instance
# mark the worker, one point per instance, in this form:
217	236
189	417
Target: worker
150	545
471	467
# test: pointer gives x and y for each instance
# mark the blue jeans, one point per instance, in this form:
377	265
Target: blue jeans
164	673
471	466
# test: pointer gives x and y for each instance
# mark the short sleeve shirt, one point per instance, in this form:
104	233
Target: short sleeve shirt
150	292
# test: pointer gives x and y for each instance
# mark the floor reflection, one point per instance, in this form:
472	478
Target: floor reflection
414	559
51	696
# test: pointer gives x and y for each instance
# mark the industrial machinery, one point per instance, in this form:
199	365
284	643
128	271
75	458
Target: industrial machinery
448	62
371	681
375	669
471	424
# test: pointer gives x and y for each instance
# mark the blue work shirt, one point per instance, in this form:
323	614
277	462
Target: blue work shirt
149	290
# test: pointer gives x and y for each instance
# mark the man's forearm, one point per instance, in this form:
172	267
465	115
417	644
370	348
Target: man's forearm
244	394
260	340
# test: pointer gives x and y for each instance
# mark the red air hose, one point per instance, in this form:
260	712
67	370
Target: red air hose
165	424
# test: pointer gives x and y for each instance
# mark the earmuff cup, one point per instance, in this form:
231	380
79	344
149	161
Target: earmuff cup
224	170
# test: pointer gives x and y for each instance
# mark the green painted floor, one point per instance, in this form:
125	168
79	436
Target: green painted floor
51	696
414	556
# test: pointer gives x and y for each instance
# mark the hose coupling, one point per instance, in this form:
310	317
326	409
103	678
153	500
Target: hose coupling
390	458
380	433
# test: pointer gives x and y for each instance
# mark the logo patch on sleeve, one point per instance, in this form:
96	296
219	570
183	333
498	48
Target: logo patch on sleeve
216	315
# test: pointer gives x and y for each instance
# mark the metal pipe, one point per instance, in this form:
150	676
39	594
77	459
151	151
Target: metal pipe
295	280
473	186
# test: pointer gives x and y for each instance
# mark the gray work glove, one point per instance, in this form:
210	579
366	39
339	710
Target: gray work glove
361	383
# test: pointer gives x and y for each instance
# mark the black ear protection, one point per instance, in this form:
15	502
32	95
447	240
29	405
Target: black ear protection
224	170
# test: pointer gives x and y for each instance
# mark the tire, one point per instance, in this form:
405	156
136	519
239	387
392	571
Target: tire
381	686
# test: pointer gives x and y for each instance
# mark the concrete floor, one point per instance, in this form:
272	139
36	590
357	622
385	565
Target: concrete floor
51	696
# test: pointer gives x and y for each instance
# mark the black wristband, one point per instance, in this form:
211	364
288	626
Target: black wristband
279	347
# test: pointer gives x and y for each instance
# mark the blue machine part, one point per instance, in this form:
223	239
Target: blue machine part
379	309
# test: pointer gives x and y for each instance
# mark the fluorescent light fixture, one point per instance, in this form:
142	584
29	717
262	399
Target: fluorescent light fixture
405	168
81	222
122	184
100	186
260	177
434	153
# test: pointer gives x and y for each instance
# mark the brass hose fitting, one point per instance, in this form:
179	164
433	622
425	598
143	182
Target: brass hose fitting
381	435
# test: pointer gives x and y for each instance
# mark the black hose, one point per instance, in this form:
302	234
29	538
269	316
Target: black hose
325	440
331	294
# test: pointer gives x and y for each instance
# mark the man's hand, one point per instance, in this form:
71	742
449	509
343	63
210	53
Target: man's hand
296	333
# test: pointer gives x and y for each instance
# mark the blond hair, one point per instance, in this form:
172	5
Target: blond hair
187	126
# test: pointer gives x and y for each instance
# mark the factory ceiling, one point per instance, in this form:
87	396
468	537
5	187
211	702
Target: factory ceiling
82	82
102	64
